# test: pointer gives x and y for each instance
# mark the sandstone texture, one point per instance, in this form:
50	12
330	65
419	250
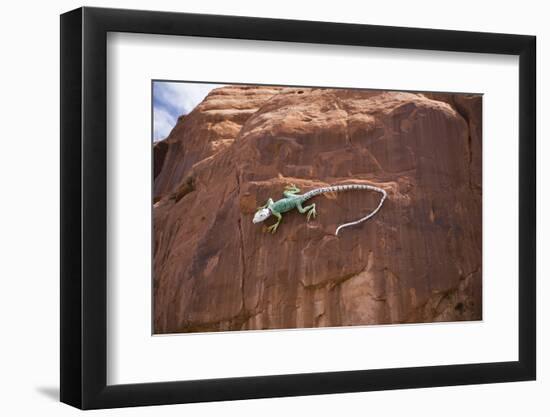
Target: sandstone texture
417	260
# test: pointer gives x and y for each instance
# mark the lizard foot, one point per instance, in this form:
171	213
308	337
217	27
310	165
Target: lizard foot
273	228
311	213
292	187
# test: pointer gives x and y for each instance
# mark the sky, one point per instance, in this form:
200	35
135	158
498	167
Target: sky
173	99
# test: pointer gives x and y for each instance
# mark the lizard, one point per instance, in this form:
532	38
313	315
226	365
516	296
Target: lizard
292	199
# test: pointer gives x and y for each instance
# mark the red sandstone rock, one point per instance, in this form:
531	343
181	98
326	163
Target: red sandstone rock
417	260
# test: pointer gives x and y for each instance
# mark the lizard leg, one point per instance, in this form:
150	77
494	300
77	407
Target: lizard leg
273	227
290	193
291	190
310	209
270	201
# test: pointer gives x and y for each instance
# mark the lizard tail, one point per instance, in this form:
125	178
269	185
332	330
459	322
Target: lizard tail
346	187
368	216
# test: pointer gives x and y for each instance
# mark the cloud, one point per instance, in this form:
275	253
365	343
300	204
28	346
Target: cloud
163	122
173	99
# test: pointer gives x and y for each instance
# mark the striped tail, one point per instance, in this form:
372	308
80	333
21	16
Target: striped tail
346	187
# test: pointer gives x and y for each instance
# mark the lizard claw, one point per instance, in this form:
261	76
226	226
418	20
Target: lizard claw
273	228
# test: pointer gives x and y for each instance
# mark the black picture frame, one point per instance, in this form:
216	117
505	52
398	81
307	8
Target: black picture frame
84	207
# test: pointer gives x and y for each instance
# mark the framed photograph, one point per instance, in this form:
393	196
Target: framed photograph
258	208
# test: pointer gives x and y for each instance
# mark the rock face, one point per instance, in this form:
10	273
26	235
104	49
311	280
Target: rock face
417	260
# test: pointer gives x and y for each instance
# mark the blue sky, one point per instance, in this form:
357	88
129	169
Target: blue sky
171	100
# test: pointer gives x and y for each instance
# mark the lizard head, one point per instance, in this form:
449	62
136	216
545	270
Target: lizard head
261	215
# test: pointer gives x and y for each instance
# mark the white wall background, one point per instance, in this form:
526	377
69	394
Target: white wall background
29	237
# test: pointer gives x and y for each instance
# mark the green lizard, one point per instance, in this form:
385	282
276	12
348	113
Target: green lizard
293	200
